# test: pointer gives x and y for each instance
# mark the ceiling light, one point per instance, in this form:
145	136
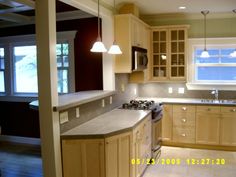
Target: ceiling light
233	54
182	7
205	53
114	49
98	46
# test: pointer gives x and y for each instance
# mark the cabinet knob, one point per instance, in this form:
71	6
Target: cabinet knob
233	110
183	135
184	120
184	108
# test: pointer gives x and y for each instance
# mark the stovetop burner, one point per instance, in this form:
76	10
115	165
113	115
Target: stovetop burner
139	104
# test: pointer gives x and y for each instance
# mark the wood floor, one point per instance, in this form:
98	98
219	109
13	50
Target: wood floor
20	161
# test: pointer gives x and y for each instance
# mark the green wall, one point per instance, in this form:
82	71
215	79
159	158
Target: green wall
223	27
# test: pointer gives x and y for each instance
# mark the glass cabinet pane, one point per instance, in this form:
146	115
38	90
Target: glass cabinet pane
181	34
173	47
163	72
181	72
181	46
155	47
174	59
181	59
163	47
174	72
163	59
155	71
156	36
173	35
162	36
156	59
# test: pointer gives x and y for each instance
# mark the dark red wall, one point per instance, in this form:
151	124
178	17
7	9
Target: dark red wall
16	117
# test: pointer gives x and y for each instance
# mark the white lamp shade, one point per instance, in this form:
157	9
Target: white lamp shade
98	46
115	49
233	54
205	54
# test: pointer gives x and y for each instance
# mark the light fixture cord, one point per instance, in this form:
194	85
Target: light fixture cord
99	37
204	32
114	23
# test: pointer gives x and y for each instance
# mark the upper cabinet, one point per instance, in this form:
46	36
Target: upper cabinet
129	31
168	58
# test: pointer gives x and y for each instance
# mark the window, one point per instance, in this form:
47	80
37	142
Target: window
219	67
25	68
216	72
2	69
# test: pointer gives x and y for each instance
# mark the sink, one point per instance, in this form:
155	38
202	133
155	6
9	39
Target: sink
218	101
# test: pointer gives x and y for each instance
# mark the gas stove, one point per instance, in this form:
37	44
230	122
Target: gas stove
139	105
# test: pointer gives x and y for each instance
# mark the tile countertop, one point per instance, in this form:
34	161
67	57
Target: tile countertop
108	124
189	101
74	99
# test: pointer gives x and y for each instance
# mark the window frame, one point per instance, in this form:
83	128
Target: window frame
4	70
192	82
10	42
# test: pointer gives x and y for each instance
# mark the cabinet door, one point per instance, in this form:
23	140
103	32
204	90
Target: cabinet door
177	54
228	130
159	55
167	123
118	156
83	158
208	125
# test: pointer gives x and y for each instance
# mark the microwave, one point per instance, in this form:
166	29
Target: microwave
139	59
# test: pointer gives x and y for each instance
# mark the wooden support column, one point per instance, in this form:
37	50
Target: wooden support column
47	82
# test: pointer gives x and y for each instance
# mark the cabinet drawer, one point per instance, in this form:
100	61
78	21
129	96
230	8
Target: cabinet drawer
230	109
183	108
180	119
208	109
184	135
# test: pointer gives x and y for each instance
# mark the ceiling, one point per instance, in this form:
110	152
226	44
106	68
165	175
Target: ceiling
148	7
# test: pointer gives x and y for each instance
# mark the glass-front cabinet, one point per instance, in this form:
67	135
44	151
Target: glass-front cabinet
168	61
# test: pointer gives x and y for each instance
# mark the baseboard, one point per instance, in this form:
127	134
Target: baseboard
20	140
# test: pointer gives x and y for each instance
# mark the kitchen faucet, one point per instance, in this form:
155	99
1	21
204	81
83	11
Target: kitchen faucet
215	93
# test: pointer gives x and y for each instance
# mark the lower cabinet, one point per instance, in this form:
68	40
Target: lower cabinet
109	157
83	158
167	122
208	125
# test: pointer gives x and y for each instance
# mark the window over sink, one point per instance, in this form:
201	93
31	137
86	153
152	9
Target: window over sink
216	72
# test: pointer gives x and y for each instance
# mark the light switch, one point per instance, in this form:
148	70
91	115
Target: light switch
170	90
181	90
77	112
64	117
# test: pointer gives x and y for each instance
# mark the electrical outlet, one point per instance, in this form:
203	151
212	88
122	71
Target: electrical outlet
110	99
181	90
122	87
103	103
77	112
170	90
64	117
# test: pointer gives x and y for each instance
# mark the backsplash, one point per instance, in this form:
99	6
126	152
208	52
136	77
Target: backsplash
93	109
160	90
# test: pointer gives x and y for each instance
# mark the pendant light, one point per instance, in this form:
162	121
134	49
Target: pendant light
98	46
114	49
205	53
233	54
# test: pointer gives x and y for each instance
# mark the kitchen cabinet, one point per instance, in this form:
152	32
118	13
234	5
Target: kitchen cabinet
110	156
129	31
208	125
168	53
183	123
227	128
167	122
79	156
142	145
118	155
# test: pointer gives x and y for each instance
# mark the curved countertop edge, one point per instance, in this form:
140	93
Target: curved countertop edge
186	101
105	135
75	99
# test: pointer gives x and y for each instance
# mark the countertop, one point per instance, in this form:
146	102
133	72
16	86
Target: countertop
75	99
190	101
108	124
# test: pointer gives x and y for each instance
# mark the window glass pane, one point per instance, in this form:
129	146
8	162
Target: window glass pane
208	60
65	49
216	73
62	81
2	84
25	70
228	59
227	51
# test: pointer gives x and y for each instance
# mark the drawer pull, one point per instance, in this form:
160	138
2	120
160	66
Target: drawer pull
184	108
208	109
233	110
184	120
183	135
